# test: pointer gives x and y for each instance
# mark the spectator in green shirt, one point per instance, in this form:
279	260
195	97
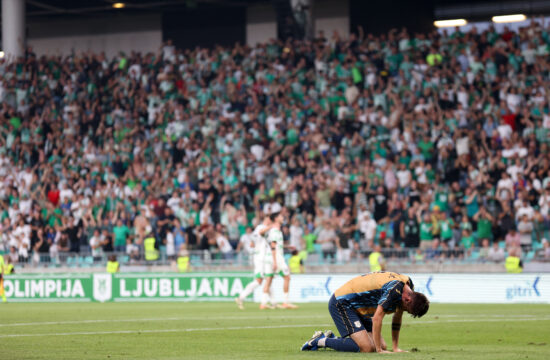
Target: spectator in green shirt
467	242
309	238
484	222
121	233
426	147
446	227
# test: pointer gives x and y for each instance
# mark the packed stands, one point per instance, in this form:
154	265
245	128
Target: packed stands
435	146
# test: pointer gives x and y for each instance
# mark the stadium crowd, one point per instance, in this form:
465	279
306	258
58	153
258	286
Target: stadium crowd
436	142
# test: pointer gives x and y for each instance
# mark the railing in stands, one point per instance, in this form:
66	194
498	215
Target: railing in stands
206	258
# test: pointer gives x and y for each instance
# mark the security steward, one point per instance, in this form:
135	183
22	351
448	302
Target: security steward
150	248
376	260
513	263
112	265
296	263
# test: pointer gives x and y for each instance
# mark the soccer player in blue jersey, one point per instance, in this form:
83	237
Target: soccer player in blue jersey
358	308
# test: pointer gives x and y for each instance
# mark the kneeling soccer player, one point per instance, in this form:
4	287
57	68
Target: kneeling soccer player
358	308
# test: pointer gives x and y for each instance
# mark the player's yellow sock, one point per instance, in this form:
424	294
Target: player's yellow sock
4	299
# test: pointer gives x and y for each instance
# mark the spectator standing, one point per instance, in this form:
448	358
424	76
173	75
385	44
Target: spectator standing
120	234
496	253
525	229
327	239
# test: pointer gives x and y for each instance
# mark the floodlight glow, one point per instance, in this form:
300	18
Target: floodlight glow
450	23
2	54
119	5
509	18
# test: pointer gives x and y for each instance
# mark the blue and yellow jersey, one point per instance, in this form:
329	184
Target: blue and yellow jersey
364	293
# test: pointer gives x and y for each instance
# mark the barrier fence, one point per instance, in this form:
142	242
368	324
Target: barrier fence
102	287
205	258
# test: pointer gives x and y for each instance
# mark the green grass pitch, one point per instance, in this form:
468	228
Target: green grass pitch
221	331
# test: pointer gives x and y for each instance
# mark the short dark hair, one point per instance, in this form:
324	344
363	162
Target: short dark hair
274	216
419	304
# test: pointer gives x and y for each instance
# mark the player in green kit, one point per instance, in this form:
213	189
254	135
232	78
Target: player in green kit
275	259
259	243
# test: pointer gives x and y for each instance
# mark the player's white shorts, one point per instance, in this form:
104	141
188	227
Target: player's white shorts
282	268
258	267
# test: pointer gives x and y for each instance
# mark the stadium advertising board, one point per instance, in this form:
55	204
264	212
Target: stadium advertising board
124	287
443	288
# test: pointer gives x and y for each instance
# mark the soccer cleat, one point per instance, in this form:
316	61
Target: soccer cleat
311	344
329	334
266	306
239	303
288	306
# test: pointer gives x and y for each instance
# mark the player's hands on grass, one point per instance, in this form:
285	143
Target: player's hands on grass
384	351
398	350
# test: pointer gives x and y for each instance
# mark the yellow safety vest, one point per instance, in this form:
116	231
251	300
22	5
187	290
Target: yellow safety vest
432	58
183	263
9	269
294	264
512	265
112	266
373	261
151	254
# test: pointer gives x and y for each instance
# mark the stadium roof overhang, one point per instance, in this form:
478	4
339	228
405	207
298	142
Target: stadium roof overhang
42	8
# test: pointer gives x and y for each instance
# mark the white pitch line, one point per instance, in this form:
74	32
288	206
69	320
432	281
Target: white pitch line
487	316
476	320
246	328
164	330
192	318
267	316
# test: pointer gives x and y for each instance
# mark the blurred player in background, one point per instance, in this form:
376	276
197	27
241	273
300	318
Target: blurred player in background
259	254
275	260
358	308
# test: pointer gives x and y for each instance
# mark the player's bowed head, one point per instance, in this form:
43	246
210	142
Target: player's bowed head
415	303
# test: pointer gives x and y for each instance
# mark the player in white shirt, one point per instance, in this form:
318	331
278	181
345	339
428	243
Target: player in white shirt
259	247
274	259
